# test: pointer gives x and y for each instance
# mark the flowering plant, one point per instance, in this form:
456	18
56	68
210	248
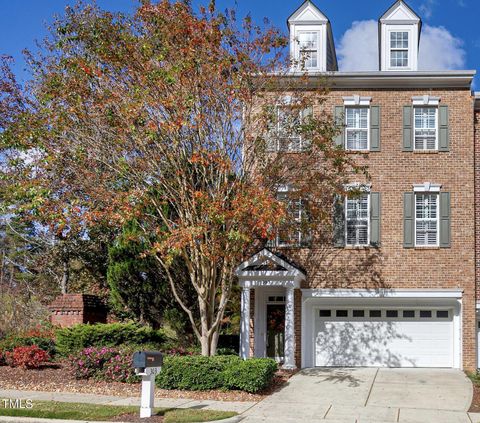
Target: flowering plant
29	357
119	369
89	362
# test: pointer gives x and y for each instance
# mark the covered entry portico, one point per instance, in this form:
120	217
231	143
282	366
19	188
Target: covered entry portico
274	282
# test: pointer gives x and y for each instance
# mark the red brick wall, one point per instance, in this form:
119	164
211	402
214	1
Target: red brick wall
71	309
477	200
393	172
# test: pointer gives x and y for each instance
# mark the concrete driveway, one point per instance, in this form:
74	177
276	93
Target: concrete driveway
369	396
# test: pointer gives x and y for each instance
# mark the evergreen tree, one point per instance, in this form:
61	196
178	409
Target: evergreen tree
138	287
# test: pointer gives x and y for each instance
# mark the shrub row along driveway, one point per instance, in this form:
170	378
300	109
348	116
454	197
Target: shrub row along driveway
368	396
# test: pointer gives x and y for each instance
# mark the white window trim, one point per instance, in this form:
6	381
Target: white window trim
367	219
436	127
366	106
298	244
356	100
303	29
366	188
390	49
288	102
427	187
425	100
398	28
437	244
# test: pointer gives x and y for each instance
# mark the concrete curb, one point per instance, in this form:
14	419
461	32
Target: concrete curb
8	419
40	420
234	419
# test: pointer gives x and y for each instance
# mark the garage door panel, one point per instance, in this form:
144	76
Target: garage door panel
384	342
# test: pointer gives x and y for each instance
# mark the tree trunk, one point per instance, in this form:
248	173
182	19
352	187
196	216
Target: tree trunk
214	342
65	277
205	345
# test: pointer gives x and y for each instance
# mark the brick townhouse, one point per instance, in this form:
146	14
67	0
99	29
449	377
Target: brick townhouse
397	287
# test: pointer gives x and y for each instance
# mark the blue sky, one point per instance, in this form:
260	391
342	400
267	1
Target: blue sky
24	21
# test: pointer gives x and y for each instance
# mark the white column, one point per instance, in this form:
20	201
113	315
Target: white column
290	330
245	324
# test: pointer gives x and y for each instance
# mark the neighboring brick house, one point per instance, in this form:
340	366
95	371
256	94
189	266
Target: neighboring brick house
398	287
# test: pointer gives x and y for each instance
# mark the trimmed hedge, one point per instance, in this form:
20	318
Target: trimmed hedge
198	373
75	338
251	375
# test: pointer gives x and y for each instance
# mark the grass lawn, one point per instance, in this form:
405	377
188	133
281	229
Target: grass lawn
80	411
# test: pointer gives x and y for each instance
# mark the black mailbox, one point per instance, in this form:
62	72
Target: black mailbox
145	359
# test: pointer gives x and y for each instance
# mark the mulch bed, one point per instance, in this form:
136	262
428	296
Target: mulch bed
475	407
58	378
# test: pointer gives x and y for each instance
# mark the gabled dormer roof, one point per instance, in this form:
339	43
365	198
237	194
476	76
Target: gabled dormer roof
400	11
307	13
265	260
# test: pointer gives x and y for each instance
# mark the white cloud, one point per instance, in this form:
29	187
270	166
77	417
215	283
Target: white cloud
358	48
426	8
440	50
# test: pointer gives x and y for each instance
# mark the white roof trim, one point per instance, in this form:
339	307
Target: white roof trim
382	293
427	187
400	12
307	14
425	100
382	79
260	258
356	100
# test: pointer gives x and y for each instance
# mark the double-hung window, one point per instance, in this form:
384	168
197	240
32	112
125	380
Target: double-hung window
308	46
290	235
288	121
399	49
285	134
425	125
357	220
426	219
357	128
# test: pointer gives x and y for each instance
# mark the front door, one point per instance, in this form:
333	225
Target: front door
275	331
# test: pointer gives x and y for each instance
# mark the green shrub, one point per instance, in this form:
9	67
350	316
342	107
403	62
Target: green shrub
194	373
41	337
250	375
75	338
198	373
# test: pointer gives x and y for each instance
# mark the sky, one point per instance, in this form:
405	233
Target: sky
450	36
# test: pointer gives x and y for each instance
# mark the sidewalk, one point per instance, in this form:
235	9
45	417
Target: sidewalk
238	407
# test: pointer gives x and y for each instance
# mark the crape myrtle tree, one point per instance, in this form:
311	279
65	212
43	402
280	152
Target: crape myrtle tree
168	117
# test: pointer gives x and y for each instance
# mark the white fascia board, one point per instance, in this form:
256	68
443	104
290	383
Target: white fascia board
385	79
382	293
427	187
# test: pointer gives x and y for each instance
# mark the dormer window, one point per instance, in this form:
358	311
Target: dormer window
311	40
308	45
399	49
399	38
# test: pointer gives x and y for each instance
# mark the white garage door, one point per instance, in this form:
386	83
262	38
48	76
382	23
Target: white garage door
386	337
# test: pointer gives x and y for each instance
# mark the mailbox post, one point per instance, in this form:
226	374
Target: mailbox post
147	364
